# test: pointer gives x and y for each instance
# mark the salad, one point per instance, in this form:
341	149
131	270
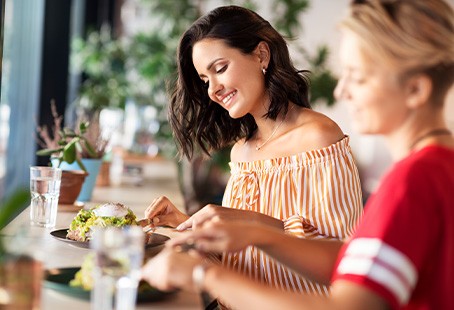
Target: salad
84	276
109	214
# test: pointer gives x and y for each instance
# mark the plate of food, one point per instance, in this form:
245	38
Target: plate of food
63	280
110	214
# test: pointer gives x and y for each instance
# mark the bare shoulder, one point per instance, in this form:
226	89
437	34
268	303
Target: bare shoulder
237	152
318	130
306	130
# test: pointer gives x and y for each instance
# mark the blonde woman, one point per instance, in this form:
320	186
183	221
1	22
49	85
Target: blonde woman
398	67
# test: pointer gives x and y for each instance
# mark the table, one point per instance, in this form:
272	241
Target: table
56	254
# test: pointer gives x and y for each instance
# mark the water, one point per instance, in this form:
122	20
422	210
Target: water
116	270
44	201
117	275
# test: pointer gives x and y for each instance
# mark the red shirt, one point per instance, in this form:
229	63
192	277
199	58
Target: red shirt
403	249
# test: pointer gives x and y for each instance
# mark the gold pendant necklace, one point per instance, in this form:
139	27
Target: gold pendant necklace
258	147
434	132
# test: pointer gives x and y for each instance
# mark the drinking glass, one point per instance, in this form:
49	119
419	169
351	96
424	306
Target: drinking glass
45	189
116	272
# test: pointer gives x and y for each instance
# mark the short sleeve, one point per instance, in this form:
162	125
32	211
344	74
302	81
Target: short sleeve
397	235
300	227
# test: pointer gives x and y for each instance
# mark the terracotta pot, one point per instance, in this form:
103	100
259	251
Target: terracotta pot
103	178
71	185
92	166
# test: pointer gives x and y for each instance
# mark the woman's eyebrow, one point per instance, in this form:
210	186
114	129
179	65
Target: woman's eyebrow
212	63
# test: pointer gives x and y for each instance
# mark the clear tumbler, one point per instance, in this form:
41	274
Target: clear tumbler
116	273
45	190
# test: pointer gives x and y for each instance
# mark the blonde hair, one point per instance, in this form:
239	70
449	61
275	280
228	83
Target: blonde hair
409	36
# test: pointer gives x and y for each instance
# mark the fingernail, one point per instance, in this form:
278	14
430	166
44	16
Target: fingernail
180	227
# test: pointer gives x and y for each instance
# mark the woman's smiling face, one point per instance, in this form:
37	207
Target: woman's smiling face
235	80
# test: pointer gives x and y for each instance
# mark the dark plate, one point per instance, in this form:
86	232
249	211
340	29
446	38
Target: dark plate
58	280
151	240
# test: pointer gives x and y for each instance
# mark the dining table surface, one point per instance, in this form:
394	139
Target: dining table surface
55	254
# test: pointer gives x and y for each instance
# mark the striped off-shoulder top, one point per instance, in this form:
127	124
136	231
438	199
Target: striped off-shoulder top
316	194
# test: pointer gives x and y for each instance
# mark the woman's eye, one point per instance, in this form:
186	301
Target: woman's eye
358	80
222	69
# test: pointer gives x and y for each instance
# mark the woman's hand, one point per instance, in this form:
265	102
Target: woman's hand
226	215
171	269
216	236
213	212
163	212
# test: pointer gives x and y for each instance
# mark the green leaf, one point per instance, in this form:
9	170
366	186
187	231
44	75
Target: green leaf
81	165
322	87
69	151
68	132
79	148
90	149
48	152
12	206
83	127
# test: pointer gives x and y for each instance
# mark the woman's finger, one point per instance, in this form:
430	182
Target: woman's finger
159	205
185	225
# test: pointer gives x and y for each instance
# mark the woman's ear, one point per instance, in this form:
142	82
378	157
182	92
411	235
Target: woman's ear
418	90
263	52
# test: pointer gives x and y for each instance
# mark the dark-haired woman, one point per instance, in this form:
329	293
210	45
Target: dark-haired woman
291	167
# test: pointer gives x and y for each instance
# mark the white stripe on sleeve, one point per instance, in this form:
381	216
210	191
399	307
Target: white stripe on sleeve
381	264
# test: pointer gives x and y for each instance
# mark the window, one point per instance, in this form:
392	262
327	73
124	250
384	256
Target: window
23	21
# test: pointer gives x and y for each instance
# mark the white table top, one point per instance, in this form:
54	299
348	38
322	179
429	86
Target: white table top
57	254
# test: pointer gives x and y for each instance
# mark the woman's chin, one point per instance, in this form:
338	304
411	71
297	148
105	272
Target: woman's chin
362	128
234	114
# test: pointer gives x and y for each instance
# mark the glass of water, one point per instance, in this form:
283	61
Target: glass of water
45	189
116	271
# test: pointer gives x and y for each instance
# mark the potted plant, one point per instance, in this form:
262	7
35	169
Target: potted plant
73	150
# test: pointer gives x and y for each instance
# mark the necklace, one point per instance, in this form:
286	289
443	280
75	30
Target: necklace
258	147
434	132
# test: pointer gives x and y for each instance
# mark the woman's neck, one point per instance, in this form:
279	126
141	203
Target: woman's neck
408	139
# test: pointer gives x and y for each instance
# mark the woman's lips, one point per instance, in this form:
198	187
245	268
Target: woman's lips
227	99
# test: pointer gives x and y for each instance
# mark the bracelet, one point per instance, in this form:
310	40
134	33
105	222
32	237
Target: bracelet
198	276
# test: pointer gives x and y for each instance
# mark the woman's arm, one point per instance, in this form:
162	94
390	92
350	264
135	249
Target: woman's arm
314	259
171	269
242	293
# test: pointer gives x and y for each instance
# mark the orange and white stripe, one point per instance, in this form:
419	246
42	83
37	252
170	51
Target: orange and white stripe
316	194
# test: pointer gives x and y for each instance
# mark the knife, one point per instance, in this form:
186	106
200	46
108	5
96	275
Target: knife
145	224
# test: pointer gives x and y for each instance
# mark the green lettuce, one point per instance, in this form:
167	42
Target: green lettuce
86	219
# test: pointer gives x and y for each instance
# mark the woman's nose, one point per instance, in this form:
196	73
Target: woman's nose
339	91
214	87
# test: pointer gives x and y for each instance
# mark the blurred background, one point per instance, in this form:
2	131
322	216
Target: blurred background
110	62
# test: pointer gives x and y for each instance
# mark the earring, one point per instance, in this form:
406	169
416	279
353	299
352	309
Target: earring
264	71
